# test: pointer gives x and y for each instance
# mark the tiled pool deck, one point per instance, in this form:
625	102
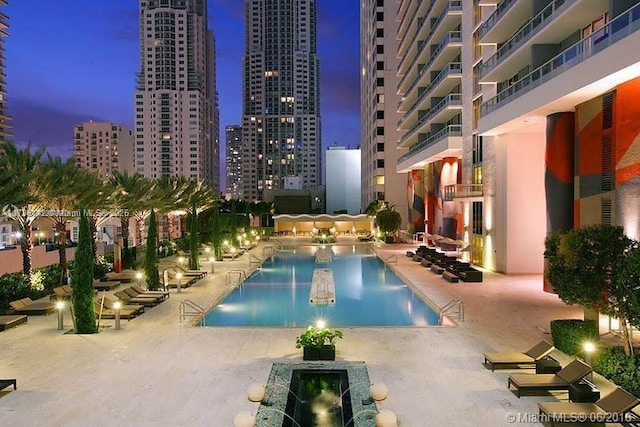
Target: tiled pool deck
156	371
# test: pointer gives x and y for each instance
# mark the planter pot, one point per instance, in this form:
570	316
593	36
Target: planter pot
324	353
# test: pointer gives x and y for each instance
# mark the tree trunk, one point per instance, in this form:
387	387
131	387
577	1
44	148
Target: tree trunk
626	337
61	228
126	258
26	246
93	227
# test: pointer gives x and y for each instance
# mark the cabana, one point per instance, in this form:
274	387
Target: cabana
306	224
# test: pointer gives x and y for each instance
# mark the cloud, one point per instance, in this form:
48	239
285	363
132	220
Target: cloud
41	125
123	25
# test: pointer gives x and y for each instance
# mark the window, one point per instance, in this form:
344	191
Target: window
380	114
380	65
380	163
380	131
380	81
380	147
380	48
477	217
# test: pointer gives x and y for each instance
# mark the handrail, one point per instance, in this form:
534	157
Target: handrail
242	276
448	69
391	260
278	244
268	251
459	191
449	308
570	57
531	28
254	260
452	99
451	130
188	308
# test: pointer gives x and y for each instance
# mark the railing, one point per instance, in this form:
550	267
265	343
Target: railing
254	260
239	274
536	23
449	69
460	191
391	260
277	244
453	99
455	306
188	308
452	36
424	21
617	29
268	251
495	17
451	130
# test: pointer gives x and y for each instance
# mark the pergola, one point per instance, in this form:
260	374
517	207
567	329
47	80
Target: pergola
304	224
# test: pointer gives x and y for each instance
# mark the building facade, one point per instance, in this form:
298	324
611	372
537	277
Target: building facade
379	112
103	147
234	161
522	118
343	187
4	119
281	131
176	108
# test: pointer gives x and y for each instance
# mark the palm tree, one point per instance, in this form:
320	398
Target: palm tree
97	195
27	199
63	188
130	196
199	197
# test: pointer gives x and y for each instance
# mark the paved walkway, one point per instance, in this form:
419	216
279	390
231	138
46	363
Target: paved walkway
157	371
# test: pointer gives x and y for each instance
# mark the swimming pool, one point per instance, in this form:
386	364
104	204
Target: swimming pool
367	293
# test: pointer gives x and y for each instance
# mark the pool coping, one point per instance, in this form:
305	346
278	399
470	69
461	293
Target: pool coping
446	321
272	414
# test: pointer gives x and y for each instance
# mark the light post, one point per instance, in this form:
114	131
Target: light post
589	348
179	277
139	278
116	307
60	307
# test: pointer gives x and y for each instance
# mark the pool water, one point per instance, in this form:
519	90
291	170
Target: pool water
367	293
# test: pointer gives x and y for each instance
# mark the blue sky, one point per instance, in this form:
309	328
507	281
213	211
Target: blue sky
69	61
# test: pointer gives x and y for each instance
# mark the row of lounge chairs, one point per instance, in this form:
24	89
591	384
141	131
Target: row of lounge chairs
134	299
614	407
449	267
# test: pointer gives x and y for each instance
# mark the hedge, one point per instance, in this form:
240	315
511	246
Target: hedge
569	335
614	365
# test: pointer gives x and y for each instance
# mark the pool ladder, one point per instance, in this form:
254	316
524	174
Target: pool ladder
254	260
189	308
391	260
455	306
239	274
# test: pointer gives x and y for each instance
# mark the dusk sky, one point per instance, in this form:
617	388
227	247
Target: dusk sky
69	61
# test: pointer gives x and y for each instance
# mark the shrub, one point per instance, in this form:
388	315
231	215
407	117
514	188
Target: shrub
569	335
102	266
12	287
82	279
623	370
318	338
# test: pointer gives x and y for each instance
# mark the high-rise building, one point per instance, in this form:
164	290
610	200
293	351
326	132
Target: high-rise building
379	109
4	120
103	147
281	105
520	118
234	161
343	185
176	110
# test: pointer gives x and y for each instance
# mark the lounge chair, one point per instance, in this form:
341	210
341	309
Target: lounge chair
11	321
109	302
142	292
528	358
28	306
561	380
108	313
125	276
365	238
4	383
61	293
611	409
105	285
132	298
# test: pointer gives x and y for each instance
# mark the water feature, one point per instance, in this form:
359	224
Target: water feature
324	398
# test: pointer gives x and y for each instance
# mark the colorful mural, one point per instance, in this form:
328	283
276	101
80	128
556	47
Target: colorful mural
415	200
559	171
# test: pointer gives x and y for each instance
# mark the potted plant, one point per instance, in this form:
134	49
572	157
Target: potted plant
318	343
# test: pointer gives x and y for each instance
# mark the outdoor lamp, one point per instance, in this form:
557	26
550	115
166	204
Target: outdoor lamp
256	392
60	307
321	324
116	307
181	260
244	419
378	391
179	277
386	418
138	277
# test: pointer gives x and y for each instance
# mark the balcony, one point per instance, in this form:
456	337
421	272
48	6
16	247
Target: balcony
533	27
441	85
443	111
621	27
464	192
443	24
447	142
505	20
444	53
422	18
